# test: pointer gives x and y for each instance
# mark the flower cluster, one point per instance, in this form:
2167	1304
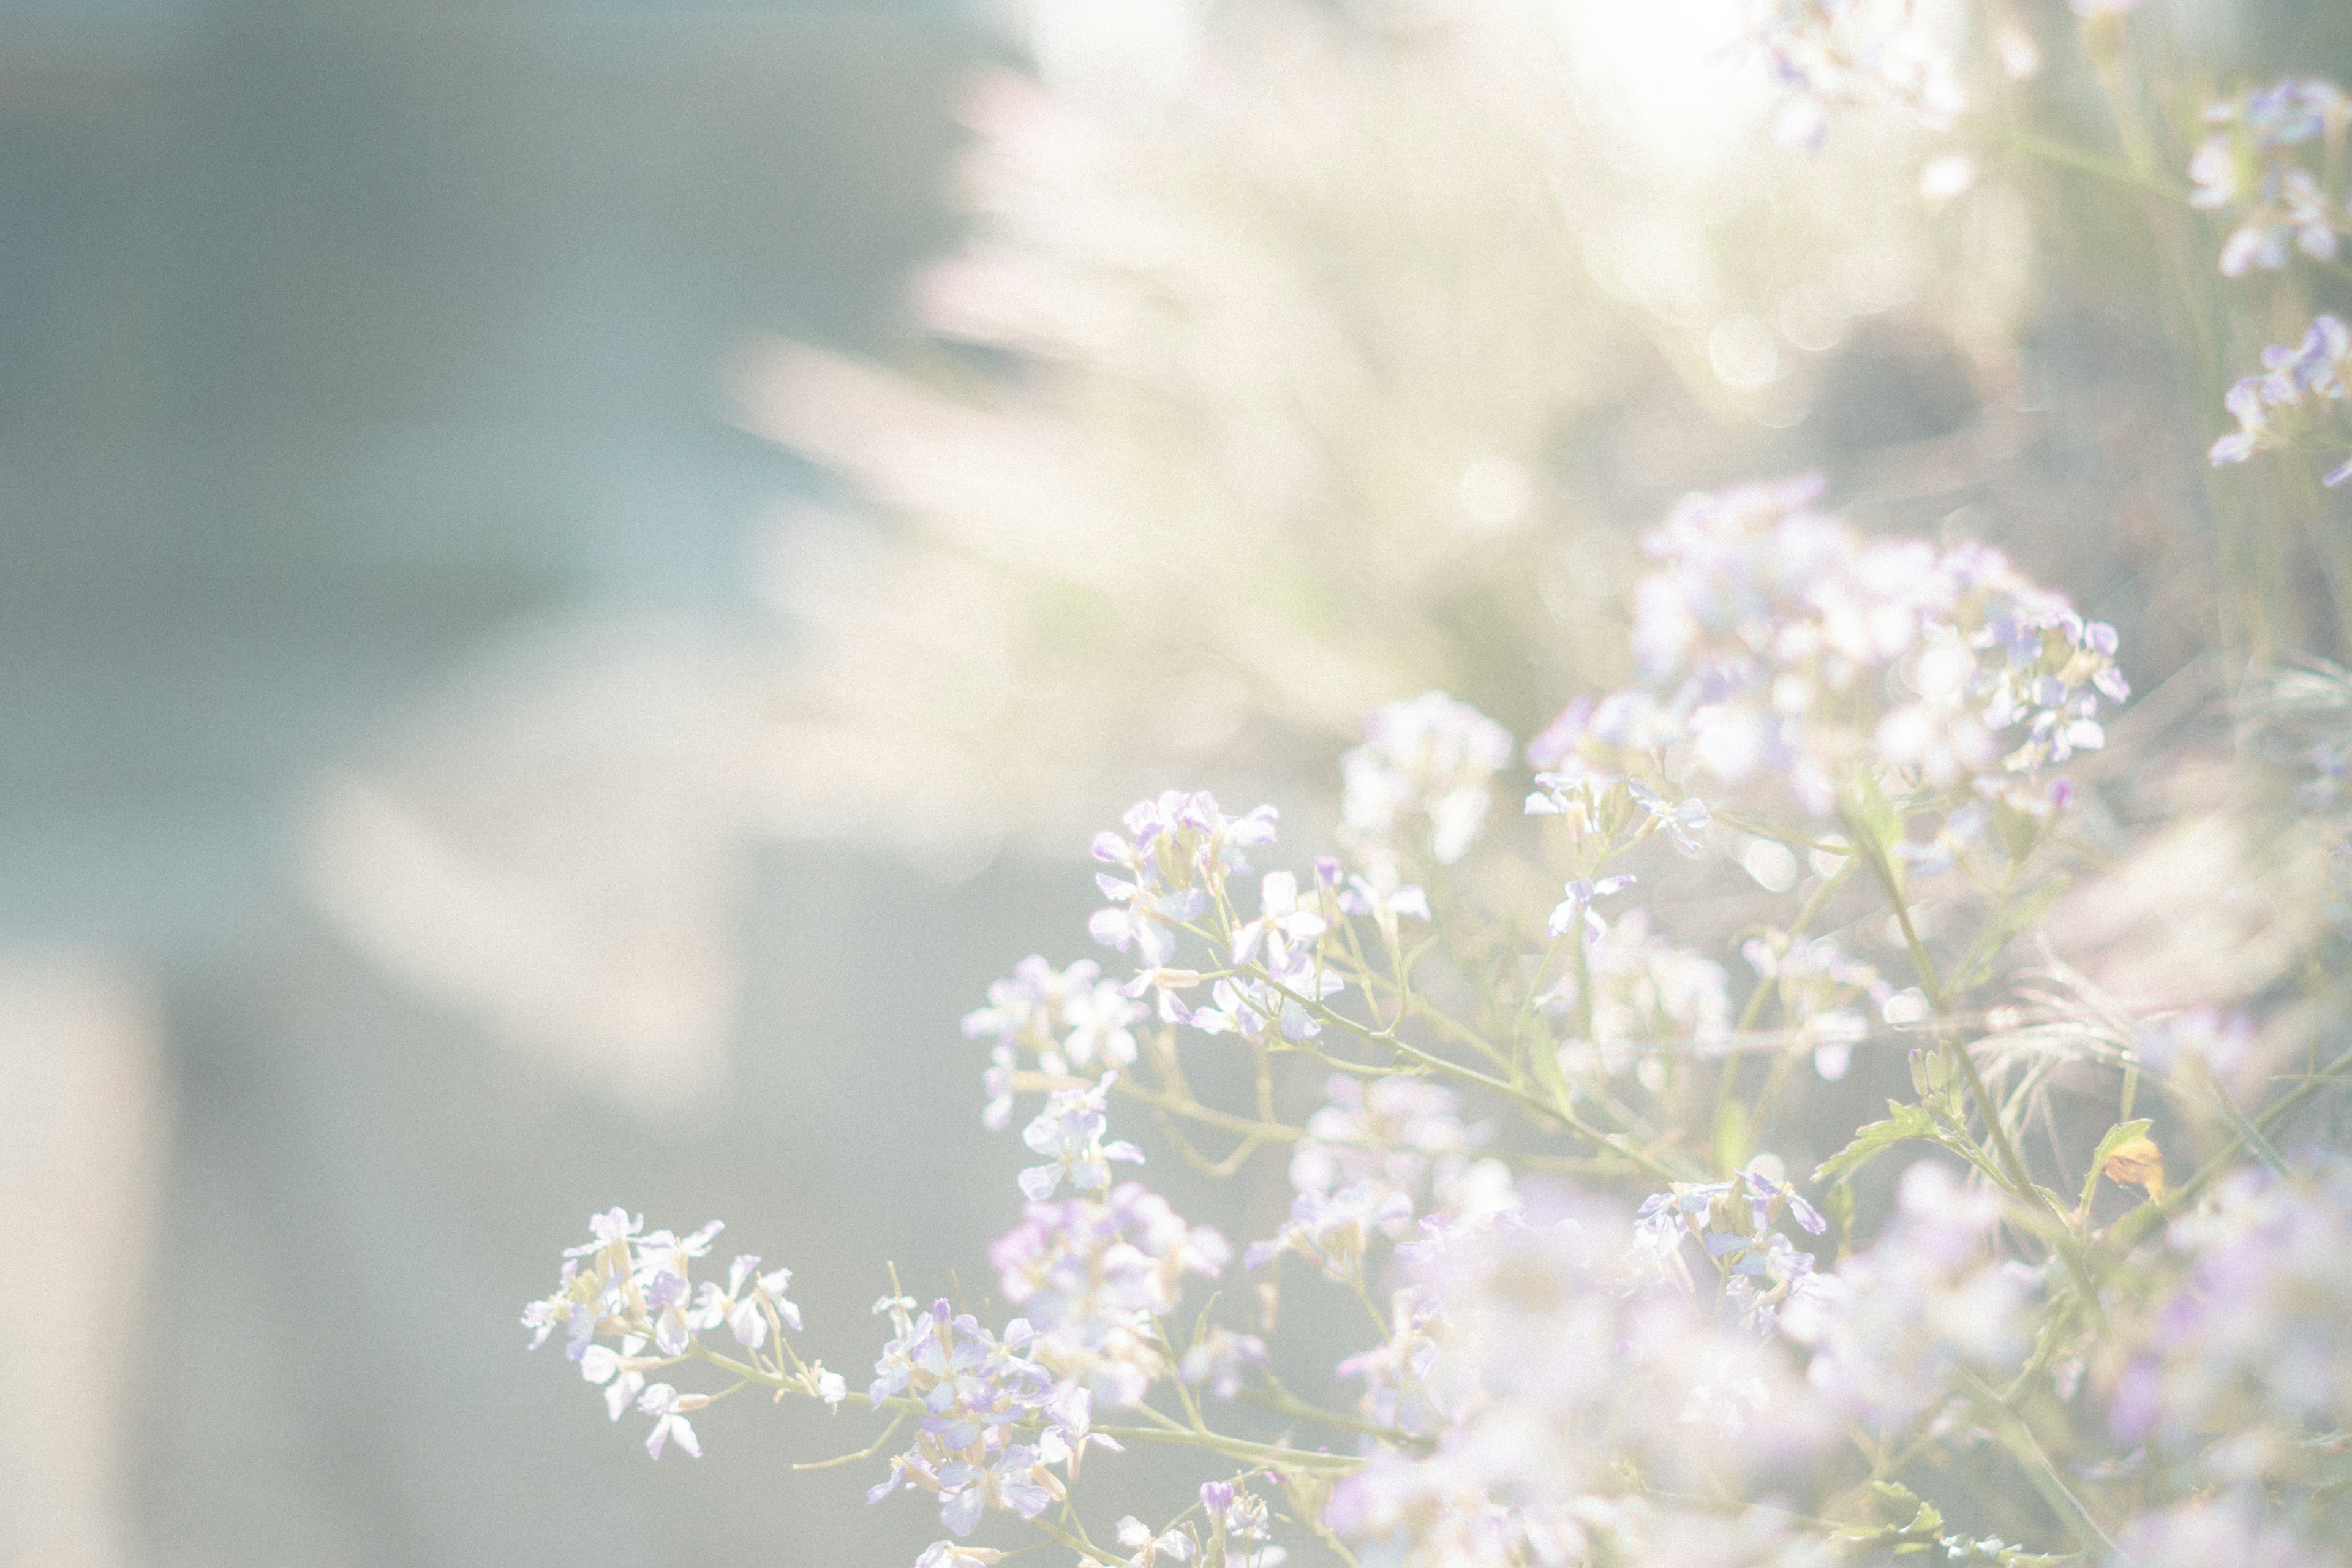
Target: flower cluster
2296	403
1175	857
1774	641
976	1393
1541	1291
1374	1156
1429	761
1069	1133
1547	1355
633	1290
2252	169
1833	54
2249	1343
1617	1371
1393	1134
1064	1019
1892	1326
1097	1276
1732	1221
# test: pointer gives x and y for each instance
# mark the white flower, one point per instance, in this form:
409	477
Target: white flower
670	1407
618	1369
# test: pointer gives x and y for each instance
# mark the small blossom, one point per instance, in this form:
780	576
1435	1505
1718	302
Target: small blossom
2250	167
620	1372
1829	55
951	1554
1066	1019
1069	1132
2296	403
1578	906
1177	853
1430	759
1378	894
1283	923
669	1407
742	1310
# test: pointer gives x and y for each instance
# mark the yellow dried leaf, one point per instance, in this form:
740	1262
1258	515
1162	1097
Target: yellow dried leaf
2137	1163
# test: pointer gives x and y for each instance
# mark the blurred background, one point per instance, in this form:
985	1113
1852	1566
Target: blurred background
575	576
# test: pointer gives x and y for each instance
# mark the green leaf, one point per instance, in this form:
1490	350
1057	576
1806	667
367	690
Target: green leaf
2121	1133
1904	1121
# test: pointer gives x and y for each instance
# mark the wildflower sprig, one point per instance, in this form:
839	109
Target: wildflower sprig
1565	1101
2272	164
1545	1376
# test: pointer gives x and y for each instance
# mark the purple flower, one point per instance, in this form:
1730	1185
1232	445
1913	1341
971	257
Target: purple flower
1010	1484
1578	906
1069	1018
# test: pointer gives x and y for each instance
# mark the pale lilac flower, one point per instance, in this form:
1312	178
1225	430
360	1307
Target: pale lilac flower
662	1253
1819	988
1092	1274
1391	1135
1069	1132
1430	759
1283	923
1008	1483
665	1295
1604	804
2249	1337
1069	1430
1067	1019
1178	851
742	1310
1760	1270
1554	1363
1776	642
1333	1231
1147	1548
1401	1375
1240	1520
612	1227
1377	893
950	1555
2296	402
2253	166
621	1370
1256	1010
669	1407
1892	1325
1830	55
1578	906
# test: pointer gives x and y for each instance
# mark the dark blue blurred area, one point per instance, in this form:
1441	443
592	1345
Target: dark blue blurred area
337	335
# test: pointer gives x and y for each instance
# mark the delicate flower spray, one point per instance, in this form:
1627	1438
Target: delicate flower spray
1602	1321
1546	1087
